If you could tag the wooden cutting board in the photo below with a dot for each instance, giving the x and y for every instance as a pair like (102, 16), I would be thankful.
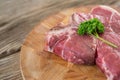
(37, 64)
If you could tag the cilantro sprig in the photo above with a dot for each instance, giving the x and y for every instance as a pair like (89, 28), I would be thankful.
(93, 27)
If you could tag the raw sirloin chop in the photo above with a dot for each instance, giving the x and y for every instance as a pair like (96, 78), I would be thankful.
(66, 43)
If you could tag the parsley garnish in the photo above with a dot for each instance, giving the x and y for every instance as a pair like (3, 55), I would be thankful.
(93, 27)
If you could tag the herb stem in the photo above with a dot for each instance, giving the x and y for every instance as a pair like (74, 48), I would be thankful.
(105, 41)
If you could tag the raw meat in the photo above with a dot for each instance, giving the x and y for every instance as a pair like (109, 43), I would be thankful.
(66, 43)
(108, 58)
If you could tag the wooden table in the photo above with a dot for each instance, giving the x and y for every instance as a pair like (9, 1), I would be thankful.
(18, 17)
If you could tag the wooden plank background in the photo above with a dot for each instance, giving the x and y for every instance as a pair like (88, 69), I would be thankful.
(18, 17)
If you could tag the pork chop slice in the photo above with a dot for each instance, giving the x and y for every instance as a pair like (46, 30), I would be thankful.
(108, 58)
(66, 43)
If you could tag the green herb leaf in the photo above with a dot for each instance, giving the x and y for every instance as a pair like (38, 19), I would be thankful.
(93, 27)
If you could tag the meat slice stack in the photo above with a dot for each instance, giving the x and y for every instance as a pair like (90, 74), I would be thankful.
(64, 41)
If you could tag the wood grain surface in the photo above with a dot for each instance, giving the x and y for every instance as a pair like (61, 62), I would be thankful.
(18, 17)
(37, 64)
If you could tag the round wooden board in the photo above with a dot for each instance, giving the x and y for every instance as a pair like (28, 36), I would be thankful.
(37, 64)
